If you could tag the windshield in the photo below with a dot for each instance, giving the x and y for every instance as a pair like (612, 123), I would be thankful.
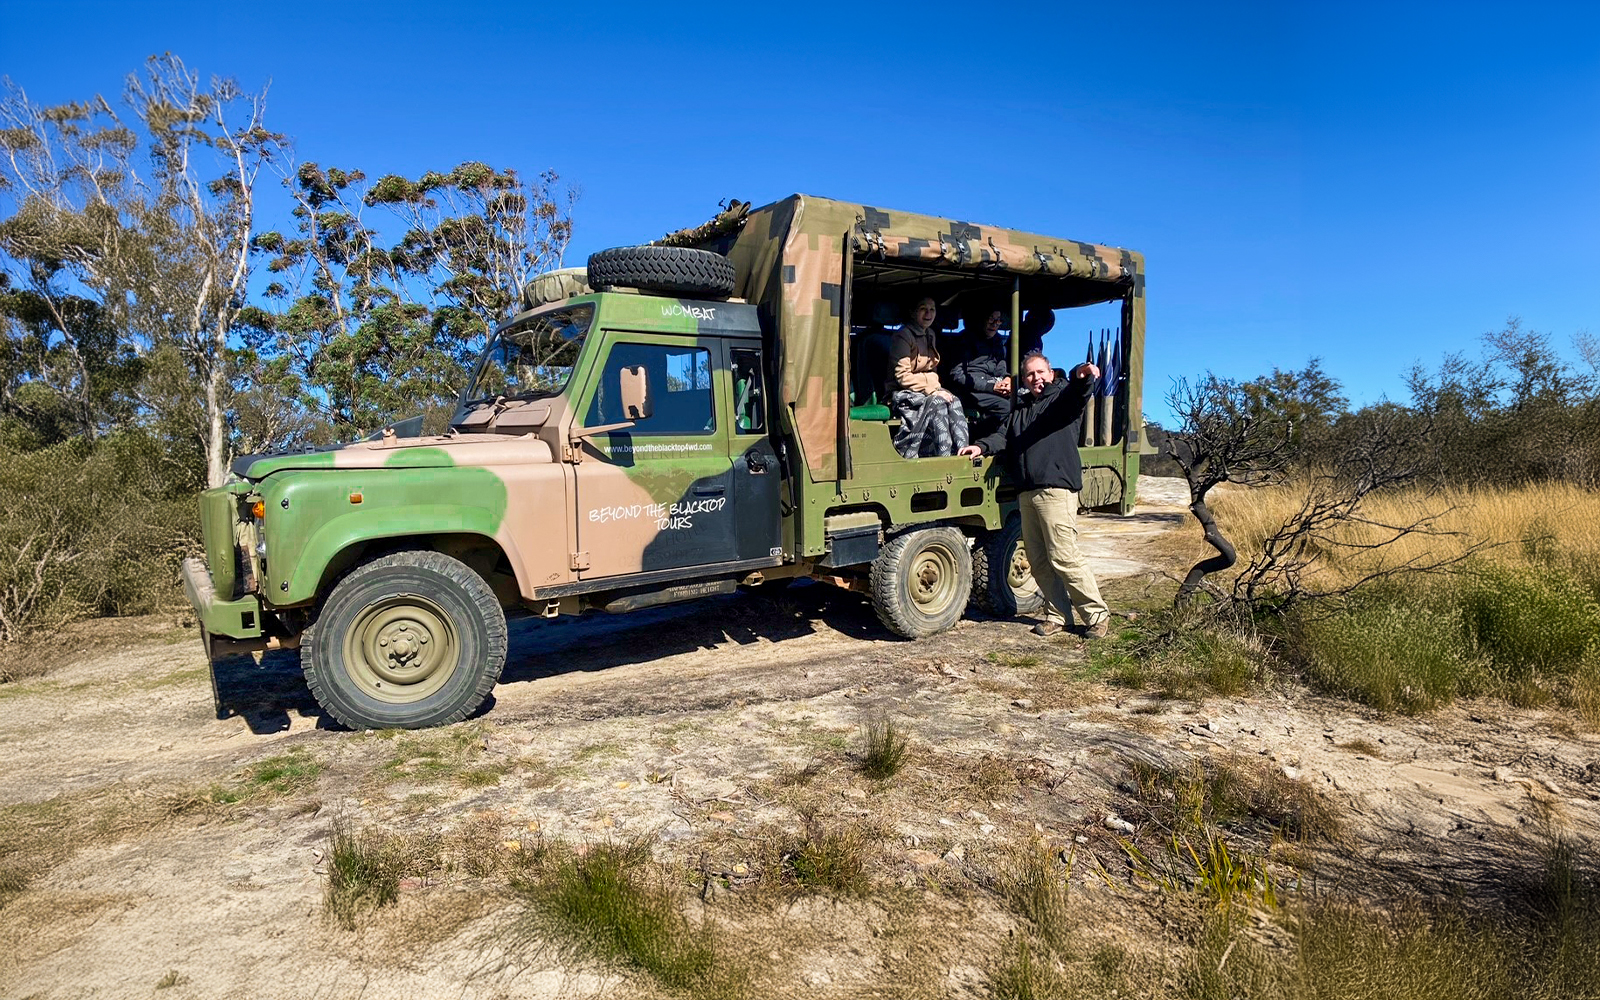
(534, 358)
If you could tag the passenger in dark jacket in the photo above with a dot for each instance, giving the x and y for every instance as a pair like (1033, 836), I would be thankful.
(1039, 441)
(982, 378)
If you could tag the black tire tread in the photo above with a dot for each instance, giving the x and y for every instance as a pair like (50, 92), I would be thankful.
(671, 270)
(473, 587)
(993, 595)
(889, 599)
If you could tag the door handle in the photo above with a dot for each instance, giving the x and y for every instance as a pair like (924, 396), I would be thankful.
(710, 491)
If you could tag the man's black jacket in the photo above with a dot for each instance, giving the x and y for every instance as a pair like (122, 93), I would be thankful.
(987, 361)
(1039, 440)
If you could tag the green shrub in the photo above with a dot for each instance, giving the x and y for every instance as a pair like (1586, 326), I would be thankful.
(1395, 655)
(92, 529)
(1532, 623)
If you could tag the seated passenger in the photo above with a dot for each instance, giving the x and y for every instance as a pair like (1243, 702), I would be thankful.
(931, 419)
(983, 376)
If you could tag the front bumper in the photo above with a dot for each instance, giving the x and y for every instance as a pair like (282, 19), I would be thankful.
(226, 627)
(239, 619)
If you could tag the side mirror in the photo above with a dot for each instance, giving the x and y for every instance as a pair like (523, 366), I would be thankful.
(635, 394)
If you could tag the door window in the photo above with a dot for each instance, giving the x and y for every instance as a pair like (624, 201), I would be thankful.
(749, 402)
(680, 383)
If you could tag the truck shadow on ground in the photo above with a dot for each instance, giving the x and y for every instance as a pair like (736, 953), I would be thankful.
(541, 648)
(267, 694)
(264, 694)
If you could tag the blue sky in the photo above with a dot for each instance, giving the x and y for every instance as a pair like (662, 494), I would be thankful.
(1372, 184)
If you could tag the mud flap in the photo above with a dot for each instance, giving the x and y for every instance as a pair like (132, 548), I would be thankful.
(211, 673)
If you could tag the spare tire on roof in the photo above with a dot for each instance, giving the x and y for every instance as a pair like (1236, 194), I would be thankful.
(668, 270)
(554, 286)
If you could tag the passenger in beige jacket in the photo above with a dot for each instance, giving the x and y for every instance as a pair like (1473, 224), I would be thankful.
(932, 421)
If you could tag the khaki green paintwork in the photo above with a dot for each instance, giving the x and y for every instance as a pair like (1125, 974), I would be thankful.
(219, 511)
(790, 257)
(416, 492)
(526, 486)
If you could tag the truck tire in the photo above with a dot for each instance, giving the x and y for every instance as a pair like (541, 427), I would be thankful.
(1002, 584)
(921, 581)
(406, 640)
(668, 270)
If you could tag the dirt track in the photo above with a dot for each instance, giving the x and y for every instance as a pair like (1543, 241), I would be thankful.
(678, 721)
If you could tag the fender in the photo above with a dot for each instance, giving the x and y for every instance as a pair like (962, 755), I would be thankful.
(312, 516)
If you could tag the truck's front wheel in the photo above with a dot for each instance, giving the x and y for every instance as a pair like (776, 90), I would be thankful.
(407, 640)
(921, 581)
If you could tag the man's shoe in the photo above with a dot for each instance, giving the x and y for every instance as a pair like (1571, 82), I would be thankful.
(1099, 630)
(1048, 628)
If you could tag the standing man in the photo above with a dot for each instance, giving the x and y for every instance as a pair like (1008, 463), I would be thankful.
(1040, 443)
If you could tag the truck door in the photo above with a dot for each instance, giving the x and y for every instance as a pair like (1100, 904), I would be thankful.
(656, 496)
(756, 477)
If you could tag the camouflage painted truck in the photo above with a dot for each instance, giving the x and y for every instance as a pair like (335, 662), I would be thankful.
(678, 420)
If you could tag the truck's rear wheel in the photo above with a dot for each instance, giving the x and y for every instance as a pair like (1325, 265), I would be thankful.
(1002, 583)
(408, 640)
(668, 270)
(921, 581)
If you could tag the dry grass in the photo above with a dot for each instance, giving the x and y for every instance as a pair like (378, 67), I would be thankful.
(1518, 620)
(1361, 747)
(1234, 793)
(36, 838)
(452, 755)
(1524, 526)
(832, 859)
(1543, 945)
(364, 870)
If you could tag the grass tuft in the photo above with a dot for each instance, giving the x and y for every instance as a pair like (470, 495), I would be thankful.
(613, 906)
(364, 871)
(883, 751)
(1229, 793)
(1366, 748)
(1034, 885)
(171, 979)
(830, 859)
(1022, 973)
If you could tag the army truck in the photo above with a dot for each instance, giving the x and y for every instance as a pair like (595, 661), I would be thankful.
(677, 420)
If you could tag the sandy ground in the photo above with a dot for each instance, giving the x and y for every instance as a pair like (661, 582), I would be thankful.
(682, 722)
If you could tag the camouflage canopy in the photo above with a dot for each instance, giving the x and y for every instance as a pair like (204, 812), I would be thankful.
(790, 260)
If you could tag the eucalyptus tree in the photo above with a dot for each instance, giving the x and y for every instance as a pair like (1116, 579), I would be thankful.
(70, 197)
(135, 224)
(207, 145)
(370, 318)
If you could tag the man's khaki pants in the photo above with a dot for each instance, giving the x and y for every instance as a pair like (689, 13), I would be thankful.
(1050, 534)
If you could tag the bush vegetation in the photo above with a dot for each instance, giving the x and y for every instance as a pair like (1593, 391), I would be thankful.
(153, 325)
(92, 529)
(1518, 618)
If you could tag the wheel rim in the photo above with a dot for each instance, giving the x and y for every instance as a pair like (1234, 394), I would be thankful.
(1019, 575)
(401, 649)
(933, 579)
